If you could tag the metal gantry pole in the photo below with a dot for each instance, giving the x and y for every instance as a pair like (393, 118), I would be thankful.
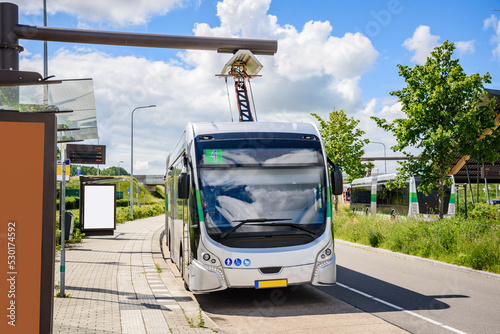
(9, 41)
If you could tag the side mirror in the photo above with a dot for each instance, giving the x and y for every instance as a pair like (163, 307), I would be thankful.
(337, 181)
(183, 186)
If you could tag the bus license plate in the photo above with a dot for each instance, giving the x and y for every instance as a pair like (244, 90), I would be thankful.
(277, 283)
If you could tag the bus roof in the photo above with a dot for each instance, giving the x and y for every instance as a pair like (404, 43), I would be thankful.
(213, 128)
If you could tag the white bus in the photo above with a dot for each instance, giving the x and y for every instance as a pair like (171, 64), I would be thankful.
(249, 206)
(370, 195)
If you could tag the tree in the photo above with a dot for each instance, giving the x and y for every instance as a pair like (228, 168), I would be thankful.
(114, 171)
(445, 117)
(343, 143)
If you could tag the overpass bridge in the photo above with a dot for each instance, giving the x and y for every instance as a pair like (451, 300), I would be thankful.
(151, 181)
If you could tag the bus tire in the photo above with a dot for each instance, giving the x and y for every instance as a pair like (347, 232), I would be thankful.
(393, 214)
(170, 247)
(181, 264)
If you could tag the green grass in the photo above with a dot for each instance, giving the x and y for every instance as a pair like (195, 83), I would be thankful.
(154, 206)
(472, 242)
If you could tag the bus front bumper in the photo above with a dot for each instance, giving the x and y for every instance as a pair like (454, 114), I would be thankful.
(203, 278)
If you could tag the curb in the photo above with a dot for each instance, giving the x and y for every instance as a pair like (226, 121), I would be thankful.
(421, 259)
(186, 299)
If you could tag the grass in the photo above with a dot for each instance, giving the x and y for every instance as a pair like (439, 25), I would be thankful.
(201, 322)
(154, 206)
(472, 242)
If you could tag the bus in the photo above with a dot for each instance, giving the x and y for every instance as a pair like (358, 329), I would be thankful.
(371, 196)
(249, 206)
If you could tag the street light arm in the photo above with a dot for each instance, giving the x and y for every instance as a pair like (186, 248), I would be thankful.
(385, 155)
(131, 196)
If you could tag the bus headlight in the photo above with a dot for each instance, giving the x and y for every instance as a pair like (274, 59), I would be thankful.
(326, 254)
(207, 258)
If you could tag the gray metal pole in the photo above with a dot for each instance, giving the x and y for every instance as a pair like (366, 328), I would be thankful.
(9, 42)
(119, 190)
(62, 210)
(45, 50)
(486, 187)
(385, 155)
(220, 44)
(131, 193)
(468, 180)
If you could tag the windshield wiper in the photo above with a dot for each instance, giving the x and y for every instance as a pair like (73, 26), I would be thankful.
(254, 220)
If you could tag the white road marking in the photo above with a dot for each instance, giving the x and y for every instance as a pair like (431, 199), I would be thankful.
(400, 308)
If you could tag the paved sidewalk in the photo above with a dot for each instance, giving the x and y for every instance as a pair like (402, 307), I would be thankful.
(115, 287)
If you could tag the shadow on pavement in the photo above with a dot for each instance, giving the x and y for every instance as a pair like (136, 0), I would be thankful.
(308, 300)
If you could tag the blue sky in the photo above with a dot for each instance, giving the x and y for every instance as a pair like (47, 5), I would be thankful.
(331, 54)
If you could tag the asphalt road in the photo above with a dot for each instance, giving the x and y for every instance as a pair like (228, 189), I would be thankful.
(419, 296)
(378, 292)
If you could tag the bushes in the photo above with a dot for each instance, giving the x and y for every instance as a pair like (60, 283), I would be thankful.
(473, 242)
(123, 213)
(122, 203)
(77, 234)
(71, 203)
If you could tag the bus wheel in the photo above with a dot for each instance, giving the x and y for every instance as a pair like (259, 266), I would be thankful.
(393, 214)
(170, 247)
(181, 265)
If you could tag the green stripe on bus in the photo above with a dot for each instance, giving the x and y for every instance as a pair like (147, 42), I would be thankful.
(413, 198)
(200, 208)
(452, 198)
(328, 203)
(374, 197)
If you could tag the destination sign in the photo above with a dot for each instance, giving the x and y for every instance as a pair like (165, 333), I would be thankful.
(86, 154)
(490, 172)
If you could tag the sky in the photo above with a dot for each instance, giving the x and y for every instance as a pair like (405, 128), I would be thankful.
(331, 55)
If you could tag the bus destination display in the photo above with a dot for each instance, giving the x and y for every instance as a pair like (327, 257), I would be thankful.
(87, 154)
(492, 172)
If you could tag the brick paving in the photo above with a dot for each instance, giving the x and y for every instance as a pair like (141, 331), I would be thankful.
(115, 287)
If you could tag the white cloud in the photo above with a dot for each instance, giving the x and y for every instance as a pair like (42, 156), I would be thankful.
(464, 47)
(494, 23)
(313, 71)
(119, 13)
(421, 43)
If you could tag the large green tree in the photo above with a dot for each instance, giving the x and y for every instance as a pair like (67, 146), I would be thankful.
(343, 143)
(445, 118)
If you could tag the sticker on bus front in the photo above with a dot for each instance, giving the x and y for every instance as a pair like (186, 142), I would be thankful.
(213, 156)
(276, 283)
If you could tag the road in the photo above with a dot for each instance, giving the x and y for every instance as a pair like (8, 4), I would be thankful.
(419, 296)
(378, 292)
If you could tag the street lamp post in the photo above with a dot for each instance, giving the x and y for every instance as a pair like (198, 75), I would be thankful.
(131, 196)
(119, 175)
(385, 156)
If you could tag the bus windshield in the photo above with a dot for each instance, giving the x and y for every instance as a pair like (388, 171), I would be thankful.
(273, 207)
